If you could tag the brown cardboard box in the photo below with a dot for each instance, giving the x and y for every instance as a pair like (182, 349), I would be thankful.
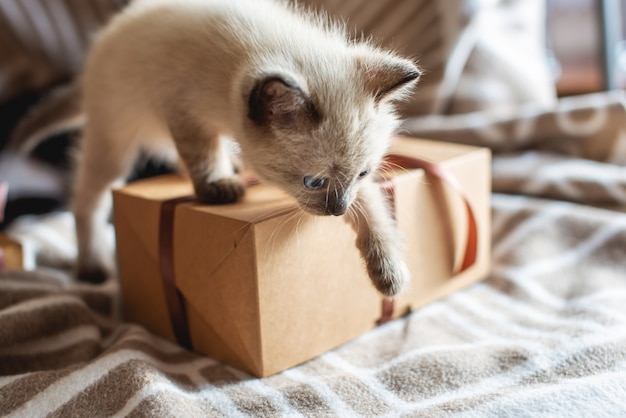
(11, 253)
(267, 287)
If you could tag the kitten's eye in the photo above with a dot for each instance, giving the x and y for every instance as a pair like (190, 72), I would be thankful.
(313, 183)
(364, 173)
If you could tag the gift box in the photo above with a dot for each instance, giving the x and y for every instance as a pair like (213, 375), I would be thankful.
(263, 286)
(11, 253)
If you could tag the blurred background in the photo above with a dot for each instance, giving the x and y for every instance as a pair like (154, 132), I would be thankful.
(578, 36)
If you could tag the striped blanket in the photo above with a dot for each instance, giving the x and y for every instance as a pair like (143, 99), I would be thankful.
(543, 335)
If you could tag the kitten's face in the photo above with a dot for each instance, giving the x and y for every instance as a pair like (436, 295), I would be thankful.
(320, 146)
(323, 166)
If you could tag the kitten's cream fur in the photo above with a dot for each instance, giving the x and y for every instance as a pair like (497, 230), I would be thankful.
(175, 77)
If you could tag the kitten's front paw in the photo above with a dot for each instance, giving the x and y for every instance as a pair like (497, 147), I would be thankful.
(388, 272)
(222, 191)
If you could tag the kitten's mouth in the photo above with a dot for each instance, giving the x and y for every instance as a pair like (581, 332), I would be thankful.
(326, 209)
(337, 211)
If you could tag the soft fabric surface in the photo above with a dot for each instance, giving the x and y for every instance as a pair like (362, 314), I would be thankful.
(543, 335)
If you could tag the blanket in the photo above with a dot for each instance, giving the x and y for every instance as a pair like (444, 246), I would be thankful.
(543, 335)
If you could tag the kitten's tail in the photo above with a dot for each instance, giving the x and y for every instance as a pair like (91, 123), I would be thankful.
(58, 112)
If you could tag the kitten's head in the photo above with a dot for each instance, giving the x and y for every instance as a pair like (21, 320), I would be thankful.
(318, 137)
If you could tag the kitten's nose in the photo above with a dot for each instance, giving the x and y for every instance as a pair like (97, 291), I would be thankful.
(337, 207)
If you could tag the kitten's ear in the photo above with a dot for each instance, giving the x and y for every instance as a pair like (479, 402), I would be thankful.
(388, 77)
(280, 102)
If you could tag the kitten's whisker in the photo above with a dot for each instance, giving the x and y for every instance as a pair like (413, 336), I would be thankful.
(293, 215)
(354, 216)
(256, 219)
(285, 219)
(390, 172)
(341, 184)
(326, 202)
(363, 213)
(301, 215)
(390, 167)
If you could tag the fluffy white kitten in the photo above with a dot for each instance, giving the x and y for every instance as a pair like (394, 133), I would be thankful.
(311, 110)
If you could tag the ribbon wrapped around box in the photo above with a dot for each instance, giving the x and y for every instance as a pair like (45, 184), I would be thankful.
(262, 286)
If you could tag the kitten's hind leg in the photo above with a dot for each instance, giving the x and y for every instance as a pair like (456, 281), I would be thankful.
(208, 163)
(378, 240)
(102, 164)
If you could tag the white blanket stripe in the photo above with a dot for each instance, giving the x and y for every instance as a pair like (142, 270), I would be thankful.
(64, 389)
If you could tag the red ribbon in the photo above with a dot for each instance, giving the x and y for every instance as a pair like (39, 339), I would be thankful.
(386, 312)
(471, 242)
(440, 173)
(173, 298)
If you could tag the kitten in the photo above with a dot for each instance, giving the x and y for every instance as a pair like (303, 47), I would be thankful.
(311, 111)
